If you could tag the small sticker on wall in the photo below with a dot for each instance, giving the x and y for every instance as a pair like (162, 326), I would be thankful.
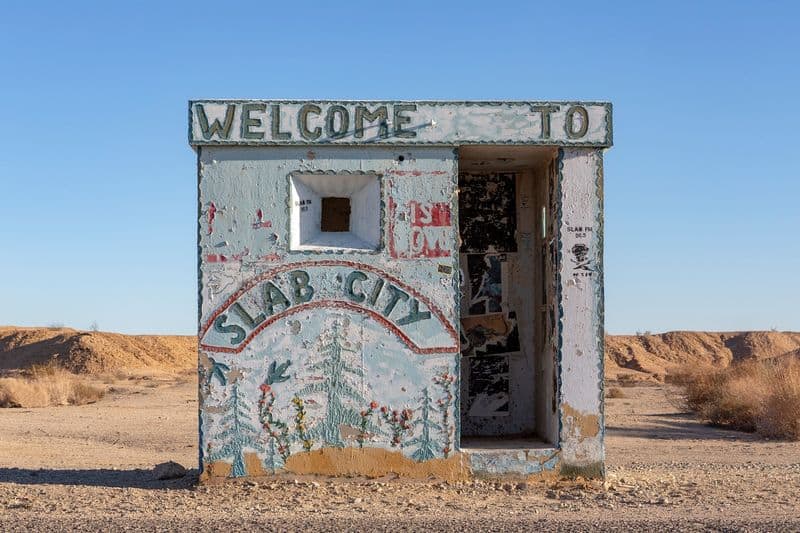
(489, 334)
(488, 386)
(485, 278)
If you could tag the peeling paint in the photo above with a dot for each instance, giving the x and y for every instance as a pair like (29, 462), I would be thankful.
(375, 462)
(333, 352)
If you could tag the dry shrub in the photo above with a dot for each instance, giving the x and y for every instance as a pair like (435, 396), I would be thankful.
(628, 380)
(761, 396)
(780, 417)
(83, 393)
(615, 392)
(45, 386)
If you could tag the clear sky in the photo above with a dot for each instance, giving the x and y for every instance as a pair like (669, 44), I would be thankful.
(97, 218)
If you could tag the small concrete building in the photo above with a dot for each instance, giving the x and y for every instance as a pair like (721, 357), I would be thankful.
(409, 288)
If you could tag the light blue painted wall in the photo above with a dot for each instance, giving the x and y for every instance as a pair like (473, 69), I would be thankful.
(243, 247)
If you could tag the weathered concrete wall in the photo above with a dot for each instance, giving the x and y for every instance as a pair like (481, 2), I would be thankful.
(580, 227)
(301, 350)
(337, 352)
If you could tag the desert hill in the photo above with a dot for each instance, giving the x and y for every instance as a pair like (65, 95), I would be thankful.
(649, 355)
(657, 354)
(93, 352)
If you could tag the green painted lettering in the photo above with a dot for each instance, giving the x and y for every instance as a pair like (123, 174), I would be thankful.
(302, 290)
(248, 320)
(569, 125)
(399, 119)
(413, 314)
(545, 111)
(272, 297)
(248, 122)
(238, 331)
(277, 134)
(380, 114)
(217, 128)
(330, 122)
(349, 286)
(376, 291)
(397, 295)
(302, 122)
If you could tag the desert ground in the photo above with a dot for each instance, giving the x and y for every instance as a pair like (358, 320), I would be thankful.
(89, 467)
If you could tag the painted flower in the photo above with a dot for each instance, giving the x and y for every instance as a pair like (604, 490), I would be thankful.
(265, 388)
(373, 405)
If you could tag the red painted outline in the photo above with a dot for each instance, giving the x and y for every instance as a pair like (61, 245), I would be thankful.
(390, 231)
(212, 212)
(332, 303)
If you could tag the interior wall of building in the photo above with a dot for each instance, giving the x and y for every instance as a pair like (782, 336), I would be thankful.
(508, 367)
(547, 308)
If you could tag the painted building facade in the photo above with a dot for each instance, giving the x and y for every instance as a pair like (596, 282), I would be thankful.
(400, 287)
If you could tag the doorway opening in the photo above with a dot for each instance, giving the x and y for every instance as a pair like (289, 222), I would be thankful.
(507, 258)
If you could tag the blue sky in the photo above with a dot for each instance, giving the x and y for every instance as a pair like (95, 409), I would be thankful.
(98, 182)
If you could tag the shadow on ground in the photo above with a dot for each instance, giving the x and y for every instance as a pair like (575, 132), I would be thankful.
(101, 477)
(678, 426)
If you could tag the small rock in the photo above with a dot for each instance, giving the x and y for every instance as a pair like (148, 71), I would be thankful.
(168, 470)
(522, 486)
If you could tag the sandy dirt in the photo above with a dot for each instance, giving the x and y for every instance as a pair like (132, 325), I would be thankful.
(88, 468)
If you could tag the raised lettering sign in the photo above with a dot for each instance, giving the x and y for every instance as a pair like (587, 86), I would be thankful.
(266, 122)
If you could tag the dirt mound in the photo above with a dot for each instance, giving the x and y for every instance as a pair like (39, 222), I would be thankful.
(657, 354)
(94, 352)
(637, 356)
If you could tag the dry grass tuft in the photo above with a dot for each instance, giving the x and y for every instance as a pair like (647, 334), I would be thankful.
(761, 396)
(45, 386)
(615, 392)
(628, 380)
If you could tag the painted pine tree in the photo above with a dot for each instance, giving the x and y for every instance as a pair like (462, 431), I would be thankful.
(238, 434)
(445, 383)
(426, 446)
(336, 382)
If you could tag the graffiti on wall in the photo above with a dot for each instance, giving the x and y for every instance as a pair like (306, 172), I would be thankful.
(487, 212)
(419, 229)
(489, 386)
(489, 333)
(581, 260)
